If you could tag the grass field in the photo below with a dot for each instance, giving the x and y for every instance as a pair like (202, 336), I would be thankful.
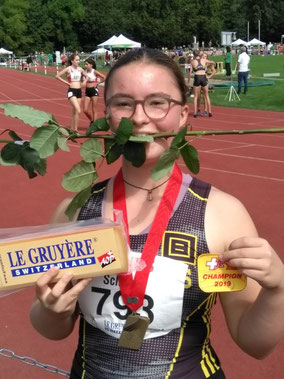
(263, 97)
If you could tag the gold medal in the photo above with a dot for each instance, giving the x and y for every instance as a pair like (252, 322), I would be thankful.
(217, 276)
(134, 331)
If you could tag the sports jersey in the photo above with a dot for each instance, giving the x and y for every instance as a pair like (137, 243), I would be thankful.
(199, 66)
(177, 343)
(92, 78)
(74, 75)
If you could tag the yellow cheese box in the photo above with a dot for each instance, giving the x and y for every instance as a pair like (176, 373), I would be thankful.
(84, 249)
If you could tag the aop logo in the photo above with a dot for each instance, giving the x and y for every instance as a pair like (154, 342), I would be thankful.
(107, 258)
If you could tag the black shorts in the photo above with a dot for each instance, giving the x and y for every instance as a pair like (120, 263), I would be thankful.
(92, 91)
(200, 80)
(77, 92)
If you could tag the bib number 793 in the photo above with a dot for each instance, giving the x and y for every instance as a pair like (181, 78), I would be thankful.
(117, 302)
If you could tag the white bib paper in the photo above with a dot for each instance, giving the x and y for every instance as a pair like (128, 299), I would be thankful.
(103, 307)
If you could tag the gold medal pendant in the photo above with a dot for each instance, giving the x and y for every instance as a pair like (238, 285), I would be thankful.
(134, 331)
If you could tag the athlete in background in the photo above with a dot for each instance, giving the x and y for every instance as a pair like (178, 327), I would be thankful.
(75, 75)
(92, 89)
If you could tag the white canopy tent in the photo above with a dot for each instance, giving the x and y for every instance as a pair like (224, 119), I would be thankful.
(5, 52)
(120, 42)
(101, 51)
(256, 42)
(108, 42)
(239, 42)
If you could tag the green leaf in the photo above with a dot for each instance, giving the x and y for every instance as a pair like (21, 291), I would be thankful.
(44, 140)
(31, 162)
(179, 138)
(91, 150)
(142, 138)
(40, 166)
(78, 201)
(11, 153)
(135, 153)
(165, 163)
(7, 163)
(81, 176)
(63, 143)
(112, 150)
(124, 131)
(64, 131)
(100, 125)
(190, 157)
(27, 114)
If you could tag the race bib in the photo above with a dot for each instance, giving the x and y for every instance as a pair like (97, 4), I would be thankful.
(103, 307)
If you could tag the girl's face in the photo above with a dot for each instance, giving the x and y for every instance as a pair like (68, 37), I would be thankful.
(88, 66)
(138, 81)
(76, 61)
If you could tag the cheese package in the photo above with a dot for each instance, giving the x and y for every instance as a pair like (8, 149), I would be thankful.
(86, 248)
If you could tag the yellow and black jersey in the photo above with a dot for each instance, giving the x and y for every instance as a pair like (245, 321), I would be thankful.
(178, 344)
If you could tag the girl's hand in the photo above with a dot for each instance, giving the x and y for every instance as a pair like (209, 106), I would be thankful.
(255, 258)
(61, 297)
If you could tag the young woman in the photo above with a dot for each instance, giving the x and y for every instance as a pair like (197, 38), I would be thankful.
(185, 218)
(92, 89)
(198, 66)
(210, 72)
(75, 74)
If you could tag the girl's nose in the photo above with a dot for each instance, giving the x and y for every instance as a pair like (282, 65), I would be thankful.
(139, 116)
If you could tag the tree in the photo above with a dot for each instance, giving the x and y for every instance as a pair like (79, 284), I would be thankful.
(270, 15)
(234, 17)
(104, 19)
(13, 25)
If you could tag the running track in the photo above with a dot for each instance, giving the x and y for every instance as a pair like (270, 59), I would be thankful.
(250, 167)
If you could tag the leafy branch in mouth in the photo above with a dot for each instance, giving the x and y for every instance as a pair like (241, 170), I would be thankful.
(98, 145)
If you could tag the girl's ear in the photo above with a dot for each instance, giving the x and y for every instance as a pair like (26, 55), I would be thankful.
(184, 115)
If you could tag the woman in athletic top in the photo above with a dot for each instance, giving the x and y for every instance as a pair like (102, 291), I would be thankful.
(92, 89)
(182, 219)
(199, 66)
(75, 75)
(210, 72)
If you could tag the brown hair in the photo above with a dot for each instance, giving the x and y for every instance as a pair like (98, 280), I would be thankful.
(92, 62)
(150, 56)
(71, 58)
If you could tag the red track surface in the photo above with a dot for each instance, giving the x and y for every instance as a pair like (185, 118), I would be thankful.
(250, 167)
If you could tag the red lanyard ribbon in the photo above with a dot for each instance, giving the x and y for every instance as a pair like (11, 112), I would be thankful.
(133, 290)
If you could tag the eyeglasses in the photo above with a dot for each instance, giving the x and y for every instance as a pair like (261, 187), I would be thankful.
(155, 106)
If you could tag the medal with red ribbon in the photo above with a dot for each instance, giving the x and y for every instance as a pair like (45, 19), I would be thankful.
(133, 289)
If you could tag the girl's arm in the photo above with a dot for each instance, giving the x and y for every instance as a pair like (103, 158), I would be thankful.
(60, 74)
(212, 72)
(101, 76)
(190, 73)
(255, 315)
(84, 78)
(54, 311)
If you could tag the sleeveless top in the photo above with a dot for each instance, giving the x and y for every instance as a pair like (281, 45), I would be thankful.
(74, 75)
(92, 78)
(177, 345)
(199, 67)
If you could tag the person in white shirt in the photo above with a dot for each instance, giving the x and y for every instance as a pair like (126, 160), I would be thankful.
(243, 70)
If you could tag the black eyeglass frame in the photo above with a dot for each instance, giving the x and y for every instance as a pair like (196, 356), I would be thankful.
(142, 102)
